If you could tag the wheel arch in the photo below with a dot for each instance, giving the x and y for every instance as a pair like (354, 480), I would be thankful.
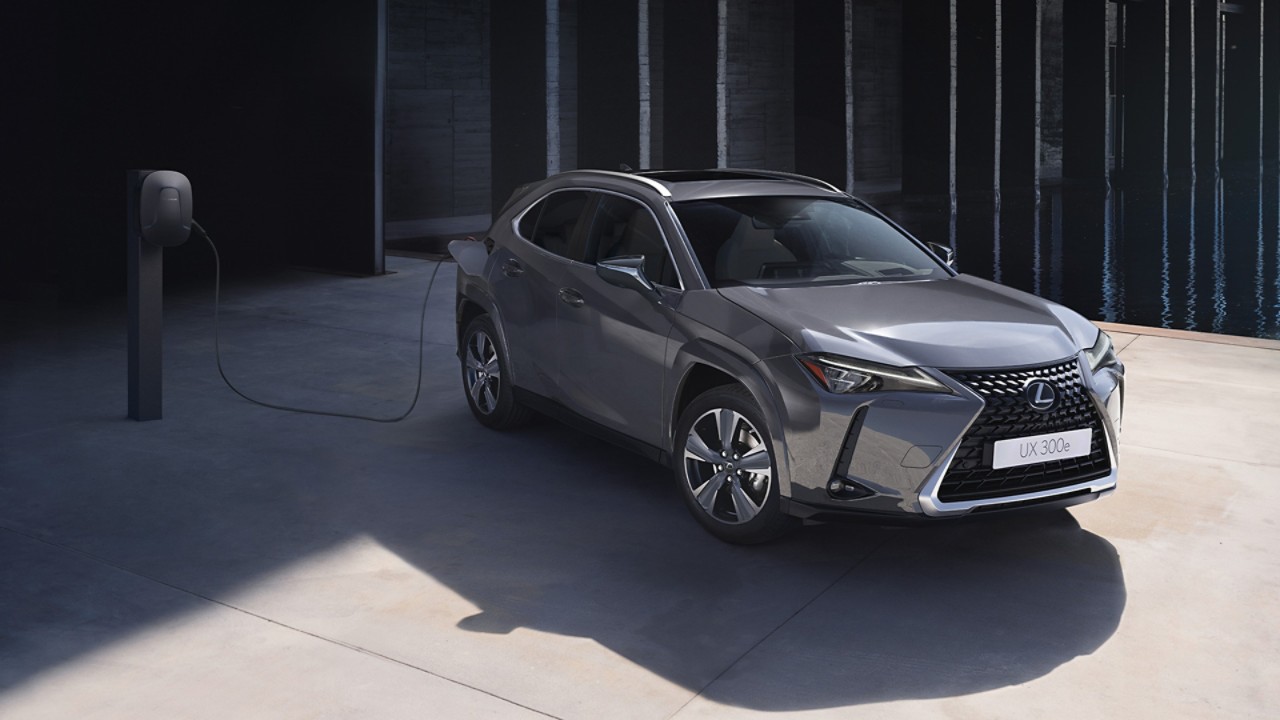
(467, 311)
(704, 366)
(700, 378)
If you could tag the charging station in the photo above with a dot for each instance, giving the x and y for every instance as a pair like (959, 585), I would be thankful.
(159, 216)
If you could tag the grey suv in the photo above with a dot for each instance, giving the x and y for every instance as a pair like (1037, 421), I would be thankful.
(787, 349)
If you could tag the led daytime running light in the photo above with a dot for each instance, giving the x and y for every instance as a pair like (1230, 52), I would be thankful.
(840, 376)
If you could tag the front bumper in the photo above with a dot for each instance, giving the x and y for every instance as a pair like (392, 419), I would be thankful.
(918, 454)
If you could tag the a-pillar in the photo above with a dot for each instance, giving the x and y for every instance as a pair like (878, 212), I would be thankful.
(518, 94)
(1020, 93)
(821, 143)
(1085, 92)
(1242, 95)
(1143, 82)
(977, 100)
(928, 97)
(608, 84)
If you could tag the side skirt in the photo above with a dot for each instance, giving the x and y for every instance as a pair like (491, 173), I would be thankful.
(563, 414)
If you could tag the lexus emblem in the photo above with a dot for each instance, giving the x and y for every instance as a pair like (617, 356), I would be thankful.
(1041, 395)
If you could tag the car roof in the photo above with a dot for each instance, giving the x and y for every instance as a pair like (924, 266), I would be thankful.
(734, 182)
(684, 185)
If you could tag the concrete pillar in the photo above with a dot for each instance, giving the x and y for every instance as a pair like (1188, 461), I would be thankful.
(1271, 86)
(1180, 92)
(1206, 32)
(1242, 86)
(875, 84)
(1051, 81)
(760, 85)
(690, 33)
(1143, 80)
(437, 122)
(657, 65)
(927, 103)
(1020, 93)
(821, 148)
(518, 95)
(1085, 93)
(978, 100)
(608, 84)
(562, 107)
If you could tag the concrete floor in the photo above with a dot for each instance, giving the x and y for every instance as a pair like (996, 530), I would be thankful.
(231, 561)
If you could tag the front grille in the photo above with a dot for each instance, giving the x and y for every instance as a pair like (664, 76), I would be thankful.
(1007, 415)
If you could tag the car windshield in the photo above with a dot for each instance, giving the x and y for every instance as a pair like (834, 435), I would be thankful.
(799, 241)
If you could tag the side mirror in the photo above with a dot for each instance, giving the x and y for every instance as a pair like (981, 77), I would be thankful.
(627, 272)
(945, 252)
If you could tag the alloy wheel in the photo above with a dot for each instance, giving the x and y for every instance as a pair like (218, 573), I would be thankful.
(484, 376)
(728, 466)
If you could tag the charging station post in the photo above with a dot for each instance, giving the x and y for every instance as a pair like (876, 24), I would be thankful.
(159, 215)
(146, 312)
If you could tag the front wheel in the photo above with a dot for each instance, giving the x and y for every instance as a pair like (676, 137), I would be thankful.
(724, 462)
(486, 378)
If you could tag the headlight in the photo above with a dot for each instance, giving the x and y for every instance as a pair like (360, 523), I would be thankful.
(844, 375)
(1103, 353)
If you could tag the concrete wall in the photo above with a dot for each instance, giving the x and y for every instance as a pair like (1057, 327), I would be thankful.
(876, 46)
(759, 85)
(437, 127)
(1051, 75)
(783, 103)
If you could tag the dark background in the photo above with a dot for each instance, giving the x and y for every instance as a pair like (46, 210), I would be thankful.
(267, 107)
(272, 110)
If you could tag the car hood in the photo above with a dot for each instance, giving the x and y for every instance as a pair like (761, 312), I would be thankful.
(959, 322)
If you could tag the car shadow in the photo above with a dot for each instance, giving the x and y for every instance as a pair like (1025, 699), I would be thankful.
(832, 615)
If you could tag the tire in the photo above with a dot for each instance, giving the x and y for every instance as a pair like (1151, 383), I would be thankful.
(485, 373)
(730, 487)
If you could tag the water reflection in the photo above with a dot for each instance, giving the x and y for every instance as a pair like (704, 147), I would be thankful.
(1274, 195)
(997, 273)
(1190, 308)
(1036, 268)
(1219, 267)
(1166, 308)
(1110, 284)
(1136, 255)
(1259, 280)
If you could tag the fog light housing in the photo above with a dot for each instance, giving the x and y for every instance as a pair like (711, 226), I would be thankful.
(846, 489)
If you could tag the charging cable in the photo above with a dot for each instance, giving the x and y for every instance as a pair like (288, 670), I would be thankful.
(217, 348)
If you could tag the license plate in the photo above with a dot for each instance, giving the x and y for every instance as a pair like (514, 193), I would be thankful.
(1041, 448)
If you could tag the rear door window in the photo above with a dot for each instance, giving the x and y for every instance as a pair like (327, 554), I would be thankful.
(552, 223)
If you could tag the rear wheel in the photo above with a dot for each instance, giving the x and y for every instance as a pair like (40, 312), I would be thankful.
(486, 379)
(725, 465)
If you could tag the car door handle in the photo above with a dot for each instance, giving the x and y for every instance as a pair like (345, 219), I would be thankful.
(572, 297)
(512, 268)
